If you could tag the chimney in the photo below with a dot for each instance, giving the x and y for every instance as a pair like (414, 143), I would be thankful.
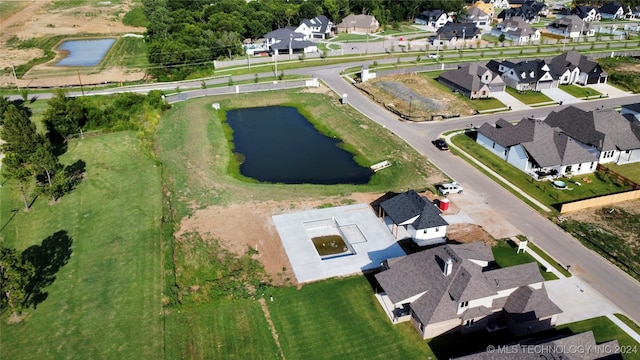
(448, 266)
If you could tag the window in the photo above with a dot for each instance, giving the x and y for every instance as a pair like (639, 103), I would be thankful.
(592, 165)
(579, 166)
(464, 304)
(469, 323)
(493, 145)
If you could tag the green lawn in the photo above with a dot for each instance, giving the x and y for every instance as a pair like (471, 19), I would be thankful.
(340, 319)
(579, 92)
(541, 190)
(528, 97)
(504, 253)
(220, 330)
(104, 303)
(604, 330)
(630, 171)
(484, 105)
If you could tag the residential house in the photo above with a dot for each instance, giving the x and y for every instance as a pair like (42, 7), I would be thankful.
(555, 348)
(433, 19)
(631, 112)
(456, 34)
(480, 18)
(536, 148)
(485, 6)
(585, 12)
(612, 10)
(528, 75)
(319, 27)
(516, 29)
(287, 41)
(452, 288)
(571, 27)
(412, 214)
(530, 11)
(571, 67)
(605, 133)
(499, 4)
(473, 81)
(363, 24)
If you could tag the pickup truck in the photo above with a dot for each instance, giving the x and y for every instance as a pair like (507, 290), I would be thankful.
(448, 188)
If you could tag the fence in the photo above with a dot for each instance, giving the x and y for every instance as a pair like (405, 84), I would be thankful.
(599, 201)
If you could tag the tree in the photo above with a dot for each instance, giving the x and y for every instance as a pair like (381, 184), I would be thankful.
(65, 116)
(14, 168)
(15, 275)
(45, 164)
(19, 132)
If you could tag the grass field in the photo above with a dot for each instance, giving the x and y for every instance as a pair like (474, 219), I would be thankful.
(579, 91)
(630, 171)
(340, 319)
(528, 97)
(505, 255)
(104, 303)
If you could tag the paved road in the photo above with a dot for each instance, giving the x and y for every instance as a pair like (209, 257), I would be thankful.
(617, 286)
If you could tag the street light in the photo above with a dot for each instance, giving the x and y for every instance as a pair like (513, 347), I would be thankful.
(410, 103)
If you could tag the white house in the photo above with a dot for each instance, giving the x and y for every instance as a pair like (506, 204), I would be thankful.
(536, 148)
(606, 134)
(571, 67)
(411, 214)
(571, 27)
(317, 28)
(528, 75)
(516, 29)
(433, 19)
(612, 10)
(451, 288)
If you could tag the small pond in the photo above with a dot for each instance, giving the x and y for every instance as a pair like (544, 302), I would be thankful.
(84, 52)
(278, 145)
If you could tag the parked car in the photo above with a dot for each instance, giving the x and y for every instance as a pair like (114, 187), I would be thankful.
(433, 56)
(448, 188)
(441, 144)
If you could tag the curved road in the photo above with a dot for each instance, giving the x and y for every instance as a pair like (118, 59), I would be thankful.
(622, 290)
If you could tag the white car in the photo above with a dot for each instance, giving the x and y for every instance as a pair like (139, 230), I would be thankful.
(433, 56)
(448, 188)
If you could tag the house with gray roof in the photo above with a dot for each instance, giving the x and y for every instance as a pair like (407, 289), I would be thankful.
(456, 34)
(288, 41)
(613, 10)
(319, 27)
(585, 12)
(453, 288)
(530, 11)
(473, 80)
(536, 148)
(362, 24)
(477, 16)
(571, 27)
(528, 75)
(571, 67)
(605, 133)
(516, 29)
(410, 213)
(631, 112)
(563, 347)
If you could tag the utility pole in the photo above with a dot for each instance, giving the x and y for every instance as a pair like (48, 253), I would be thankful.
(15, 77)
(80, 80)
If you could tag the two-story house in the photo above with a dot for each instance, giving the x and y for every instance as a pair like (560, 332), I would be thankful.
(612, 10)
(528, 75)
(571, 27)
(317, 28)
(571, 67)
(517, 29)
(433, 19)
(473, 80)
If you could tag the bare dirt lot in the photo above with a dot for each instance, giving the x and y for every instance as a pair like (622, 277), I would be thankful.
(39, 19)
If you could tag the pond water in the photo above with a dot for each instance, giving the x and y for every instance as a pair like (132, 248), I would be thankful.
(280, 146)
(84, 52)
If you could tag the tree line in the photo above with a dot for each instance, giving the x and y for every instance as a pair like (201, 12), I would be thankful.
(192, 33)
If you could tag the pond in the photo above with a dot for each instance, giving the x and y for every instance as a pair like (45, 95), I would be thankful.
(278, 145)
(84, 52)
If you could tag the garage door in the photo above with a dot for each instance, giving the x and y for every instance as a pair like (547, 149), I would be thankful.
(545, 85)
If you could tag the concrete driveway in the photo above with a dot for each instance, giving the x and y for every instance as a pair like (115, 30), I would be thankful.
(509, 101)
(559, 95)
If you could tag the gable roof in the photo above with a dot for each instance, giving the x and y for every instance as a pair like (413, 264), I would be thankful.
(604, 129)
(475, 13)
(431, 15)
(527, 303)
(516, 26)
(572, 59)
(573, 23)
(409, 205)
(611, 8)
(530, 70)
(283, 34)
(468, 76)
(457, 30)
(359, 21)
(319, 21)
(421, 274)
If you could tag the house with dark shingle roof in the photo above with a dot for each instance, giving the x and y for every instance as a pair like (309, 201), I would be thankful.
(452, 288)
(317, 28)
(536, 148)
(416, 216)
(433, 19)
(571, 67)
(479, 15)
(631, 112)
(528, 75)
(529, 11)
(516, 29)
(473, 81)
(288, 41)
(585, 12)
(453, 34)
(612, 10)
(571, 27)
(605, 133)
(555, 348)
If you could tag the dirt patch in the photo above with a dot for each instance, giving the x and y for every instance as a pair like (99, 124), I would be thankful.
(467, 233)
(241, 226)
(414, 96)
(608, 218)
(39, 19)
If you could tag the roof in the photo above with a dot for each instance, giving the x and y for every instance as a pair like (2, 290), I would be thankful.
(319, 21)
(452, 30)
(422, 275)
(557, 348)
(283, 34)
(359, 21)
(468, 76)
(431, 15)
(572, 22)
(409, 205)
(529, 11)
(572, 59)
(610, 8)
(516, 26)
(527, 303)
(530, 70)
(635, 107)
(544, 145)
(605, 129)
(474, 13)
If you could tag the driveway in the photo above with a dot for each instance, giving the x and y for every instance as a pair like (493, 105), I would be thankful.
(509, 101)
(559, 95)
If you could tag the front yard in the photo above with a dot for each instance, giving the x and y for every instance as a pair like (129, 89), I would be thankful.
(528, 97)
